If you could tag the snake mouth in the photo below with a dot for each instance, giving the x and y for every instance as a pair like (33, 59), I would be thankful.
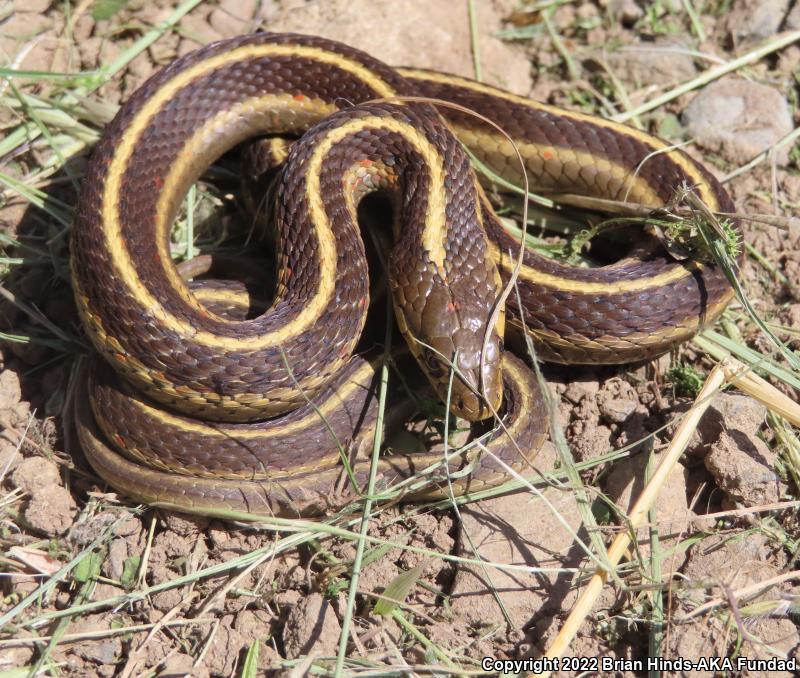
(474, 407)
(471, 391)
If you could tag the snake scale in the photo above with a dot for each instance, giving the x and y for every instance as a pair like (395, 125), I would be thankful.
(202, 412)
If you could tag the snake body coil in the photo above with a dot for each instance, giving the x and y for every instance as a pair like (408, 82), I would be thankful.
(446, 272)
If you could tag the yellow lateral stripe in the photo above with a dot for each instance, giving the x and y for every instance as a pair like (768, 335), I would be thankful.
(516, 375)
(684, 162)
(223, 430)
(537, 277)
(112, 227)
(639, 191)
(687, 329)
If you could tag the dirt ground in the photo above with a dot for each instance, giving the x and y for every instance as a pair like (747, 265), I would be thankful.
(94, 585)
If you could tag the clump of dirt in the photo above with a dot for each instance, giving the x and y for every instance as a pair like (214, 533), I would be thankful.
(126, 590)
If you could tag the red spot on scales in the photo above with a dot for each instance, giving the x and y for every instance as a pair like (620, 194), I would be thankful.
(119, 441)
(159, 182)
(548, 154)
(300, 97)
(366, 163)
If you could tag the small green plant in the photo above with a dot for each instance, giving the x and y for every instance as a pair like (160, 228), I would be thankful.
(686, 380)
(659, 19)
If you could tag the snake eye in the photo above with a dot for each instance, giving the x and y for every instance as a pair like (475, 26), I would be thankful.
(433, 362)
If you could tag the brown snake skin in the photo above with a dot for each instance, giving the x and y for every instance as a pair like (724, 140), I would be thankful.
(446, 271)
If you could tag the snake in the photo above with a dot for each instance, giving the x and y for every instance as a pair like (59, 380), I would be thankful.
(199, 411)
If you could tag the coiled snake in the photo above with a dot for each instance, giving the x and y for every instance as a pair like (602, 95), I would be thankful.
(184, 418)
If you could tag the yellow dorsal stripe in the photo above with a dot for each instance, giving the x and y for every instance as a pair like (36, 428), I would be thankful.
(112, 227)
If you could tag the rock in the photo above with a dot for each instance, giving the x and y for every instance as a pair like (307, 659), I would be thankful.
(728, 412)
(717, 563)
(754, 20)
(197, 31)
(732, 411)
(743, 468)
(789, 60)
(166, 600)
(617, 410)
(589, 440)
(242, 9)
(18, 29)
(739, 119)
(51, 510)
(504, 530)
(578, 389)
(82, 28)
(13, 657)
(101, 651)
(34, 473)
(790, 318)
(255, 626)
(617, 400)
(184, 524)
(311, 626)
(422, 34)
(564, 17)
(665, 61)
(91, 527)
(33, 6)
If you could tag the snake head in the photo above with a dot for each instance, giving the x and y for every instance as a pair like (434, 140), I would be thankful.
(461, 360)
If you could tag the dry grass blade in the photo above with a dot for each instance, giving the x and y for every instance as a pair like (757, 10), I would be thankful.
(744, 378)
(638, 513)
(773, 45)
(741, 594)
